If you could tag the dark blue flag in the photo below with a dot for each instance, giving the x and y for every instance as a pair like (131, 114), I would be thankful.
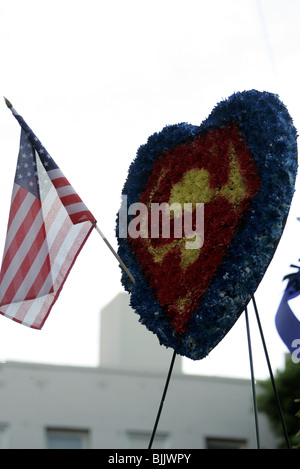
(287, 324)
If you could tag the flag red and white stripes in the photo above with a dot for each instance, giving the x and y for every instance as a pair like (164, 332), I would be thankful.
(71, 201)
(48, 225)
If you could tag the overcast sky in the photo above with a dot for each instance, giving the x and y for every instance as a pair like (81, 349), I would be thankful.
(93, 80)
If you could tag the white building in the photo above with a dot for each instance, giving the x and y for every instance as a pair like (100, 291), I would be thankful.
(114, 406)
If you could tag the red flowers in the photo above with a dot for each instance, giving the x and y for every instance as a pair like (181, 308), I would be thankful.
(215, 168)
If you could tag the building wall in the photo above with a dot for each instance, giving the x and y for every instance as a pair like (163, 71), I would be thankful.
(126, 344)
(114, 406)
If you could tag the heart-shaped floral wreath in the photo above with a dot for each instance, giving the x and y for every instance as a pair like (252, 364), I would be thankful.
(240, 167)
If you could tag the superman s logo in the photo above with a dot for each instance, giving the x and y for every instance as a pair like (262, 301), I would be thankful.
(200, 203)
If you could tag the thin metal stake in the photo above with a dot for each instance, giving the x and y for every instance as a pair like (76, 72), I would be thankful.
(252, 379)
(271, 375)
(162, 400)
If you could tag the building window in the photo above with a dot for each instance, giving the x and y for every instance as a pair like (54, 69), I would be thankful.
(225, 443)
(140, 440)
(61, 438)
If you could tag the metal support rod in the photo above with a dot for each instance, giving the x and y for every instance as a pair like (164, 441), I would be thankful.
(252, 380)
(271, 375)
(162, 400)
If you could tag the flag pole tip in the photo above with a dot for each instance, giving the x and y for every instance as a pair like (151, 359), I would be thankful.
(8, 103)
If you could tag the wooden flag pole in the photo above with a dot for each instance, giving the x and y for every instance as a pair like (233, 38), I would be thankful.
(114, 252)
(10, 106)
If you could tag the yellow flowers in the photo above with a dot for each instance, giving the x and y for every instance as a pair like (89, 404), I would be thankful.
(195, 185)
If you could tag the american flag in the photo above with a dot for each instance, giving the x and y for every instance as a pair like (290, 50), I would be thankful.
(47, 227)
